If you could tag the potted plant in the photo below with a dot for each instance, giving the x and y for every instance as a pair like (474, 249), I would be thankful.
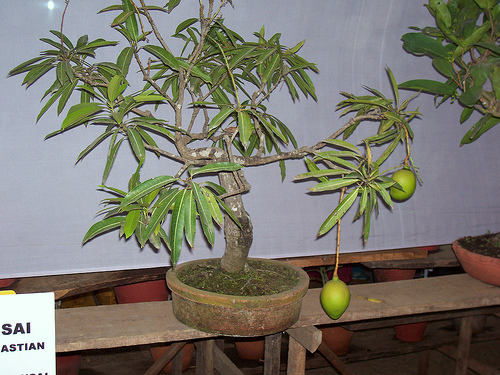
(202, 108)
(463, 47)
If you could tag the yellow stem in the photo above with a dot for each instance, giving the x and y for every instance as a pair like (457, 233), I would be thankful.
(335, 274)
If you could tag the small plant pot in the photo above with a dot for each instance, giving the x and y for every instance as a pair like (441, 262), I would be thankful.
(4, 283)
(481, 267)
(68, 364)
(410, 332)
(187, 356)
(231, 315)
(338, 339)
(250, 348)
(393, 274)
(146, 291)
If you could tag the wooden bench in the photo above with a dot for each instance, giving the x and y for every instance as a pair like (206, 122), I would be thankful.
(405, 301)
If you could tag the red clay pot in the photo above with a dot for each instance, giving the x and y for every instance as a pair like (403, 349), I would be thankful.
(410, 332)
(393, 274)
(187, 356)
(146, 291)
(68, 364)
(4, 283)
(250, 348)
(338, 339)
(484, 268)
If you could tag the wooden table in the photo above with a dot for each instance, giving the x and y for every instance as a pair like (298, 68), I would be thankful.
(153, 322)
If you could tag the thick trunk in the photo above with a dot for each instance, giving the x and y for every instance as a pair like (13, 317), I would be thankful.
(238, 240)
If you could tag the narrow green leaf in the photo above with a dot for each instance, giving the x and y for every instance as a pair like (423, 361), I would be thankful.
(94, 144)
(136, 142)
(427, 85)
(185, 24)
(217, 167)
(204, 212)
(103, 226)
(479, 128)
(470, 97)
(388, 151)
(219, 118)
(190, 218)
(394, 85)
(160, 211)
(331, 185)
(343, 144)
(80, 113)
(114, 87)
(166, 57)
(147, 187)
(245, 127)
(131, 221)
(177, 226)
(124, 59)
(420, 44)
(215, 210)
(113, 151)
(321, 173)
(338, 212)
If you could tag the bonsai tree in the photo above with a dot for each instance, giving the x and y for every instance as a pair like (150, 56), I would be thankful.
(203, 108)
(463, 46)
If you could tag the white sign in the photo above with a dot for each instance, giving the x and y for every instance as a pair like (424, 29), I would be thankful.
(27, 334)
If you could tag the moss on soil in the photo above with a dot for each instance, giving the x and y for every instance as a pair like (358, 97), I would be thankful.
(486, 244)
(257, 279)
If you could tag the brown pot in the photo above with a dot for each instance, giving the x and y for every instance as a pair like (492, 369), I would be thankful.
(338, 339)
(145, 291)
(68, 364)
(237, 315)
(410, 332)
(393, 274)
(250, 348)
(187, 356)
(4, 283)
(481, 267)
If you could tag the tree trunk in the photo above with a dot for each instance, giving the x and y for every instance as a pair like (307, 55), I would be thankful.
(238, 240)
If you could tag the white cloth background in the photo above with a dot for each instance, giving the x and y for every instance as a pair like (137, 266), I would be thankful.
(48, 202)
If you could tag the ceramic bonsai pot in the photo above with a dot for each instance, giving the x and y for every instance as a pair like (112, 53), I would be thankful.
(338, 339)
(481, 267)
(231, 315)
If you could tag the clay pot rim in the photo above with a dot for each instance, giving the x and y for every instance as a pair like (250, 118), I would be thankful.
(472, 256)
(291, 295)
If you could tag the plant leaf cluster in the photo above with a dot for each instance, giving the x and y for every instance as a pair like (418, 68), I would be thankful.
(463, 47)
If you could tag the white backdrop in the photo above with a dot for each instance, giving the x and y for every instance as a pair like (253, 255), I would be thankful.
(48, 202)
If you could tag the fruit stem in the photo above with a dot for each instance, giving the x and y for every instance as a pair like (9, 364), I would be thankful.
(338, 239)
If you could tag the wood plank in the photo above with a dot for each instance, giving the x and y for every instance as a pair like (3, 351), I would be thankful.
(296, 364)
(223, 364)
(75, 284)
(358, 257)
(272, 354)
(308, 337)
(443, 257)
(334, 359)
(153, 322)
(165, 358)
(463, 345)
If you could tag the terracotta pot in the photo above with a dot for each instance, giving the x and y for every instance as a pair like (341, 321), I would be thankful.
(68, 364)
(338, 339)
(146, 291)
(250, 348)
(484, 268)
(410, 332)
(237, 315)
(187, 356)
(4, 283)
(393, 274)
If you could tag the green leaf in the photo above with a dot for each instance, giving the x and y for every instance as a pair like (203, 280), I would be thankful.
(331, 185)
(185, 24)
(343, 144)
(338, 212)
(205, 213)
(103, 226)
(479, 128)
(124, 59)
(131, 221)
(166, 57)
(244, 126)
(160, 210)
(394, 85)
(94, 144)
(80, 113)
(136, 142)
(219, 118)
(471, 96)
(427, 85)
(215, 210)
(147, 187)
(177, 226)
(113, 151)
(420, 44)
(131, 21)
(216, 168)
(115, 87)
(466, 113)
(443, 66)
(190, 218)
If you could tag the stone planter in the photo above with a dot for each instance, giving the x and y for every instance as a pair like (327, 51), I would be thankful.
(484, 268)
(237, 315)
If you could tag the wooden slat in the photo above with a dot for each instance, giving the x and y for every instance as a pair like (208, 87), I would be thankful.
(153, 322)
(443, 257)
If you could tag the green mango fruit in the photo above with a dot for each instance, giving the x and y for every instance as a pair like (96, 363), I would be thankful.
(335, 297)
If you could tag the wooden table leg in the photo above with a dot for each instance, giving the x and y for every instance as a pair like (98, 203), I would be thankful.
(205, 357)
(423, 362)
(272, 354)
(165, 358)
(334, 359)
(463, 345)
(296, 358)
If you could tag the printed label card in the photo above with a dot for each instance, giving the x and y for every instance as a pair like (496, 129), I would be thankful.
(27, 334)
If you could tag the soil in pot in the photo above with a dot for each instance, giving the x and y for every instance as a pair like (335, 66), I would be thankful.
(486, 244)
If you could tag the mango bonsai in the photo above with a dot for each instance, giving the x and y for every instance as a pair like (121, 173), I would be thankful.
(203, 108)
